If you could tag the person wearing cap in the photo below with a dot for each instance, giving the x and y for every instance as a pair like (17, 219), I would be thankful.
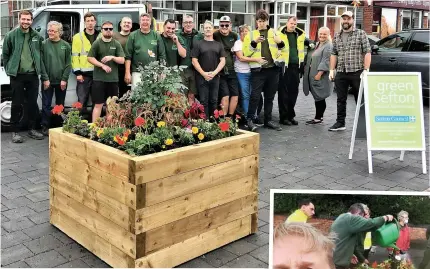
(350, 57)
(190, 36)
(263, 42)
(288, 87)
(208, 58)
(228, 85)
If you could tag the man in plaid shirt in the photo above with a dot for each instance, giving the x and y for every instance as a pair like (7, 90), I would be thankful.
(352, 54)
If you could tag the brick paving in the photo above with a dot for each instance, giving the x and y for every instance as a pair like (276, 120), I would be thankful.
(298, 157)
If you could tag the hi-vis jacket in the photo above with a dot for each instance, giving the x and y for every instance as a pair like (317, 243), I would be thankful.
(301, 36)
(80, 48)
(250, 51)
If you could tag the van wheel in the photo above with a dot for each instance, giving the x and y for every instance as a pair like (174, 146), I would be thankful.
(5, 109)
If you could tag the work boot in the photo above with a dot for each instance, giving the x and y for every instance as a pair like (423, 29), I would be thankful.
(35, 134)
(251, 126)
(273, 125)
(45, 131)
(16, 138)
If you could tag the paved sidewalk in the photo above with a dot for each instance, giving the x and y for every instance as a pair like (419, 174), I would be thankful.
(299, 157)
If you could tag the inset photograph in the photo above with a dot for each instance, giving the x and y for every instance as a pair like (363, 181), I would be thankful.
(355, 229)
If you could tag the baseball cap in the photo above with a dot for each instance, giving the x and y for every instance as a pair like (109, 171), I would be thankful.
(225, 18)
(348, 13)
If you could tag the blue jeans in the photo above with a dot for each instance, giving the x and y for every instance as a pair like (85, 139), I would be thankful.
(47, 95)
(245, 85)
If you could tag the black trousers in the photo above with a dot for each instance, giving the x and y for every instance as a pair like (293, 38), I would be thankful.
(24, 87)
(320, 107)
(342, 82)
(47, 96)
(122, 86)
(288, 90)
(265, 81)
(208, 94)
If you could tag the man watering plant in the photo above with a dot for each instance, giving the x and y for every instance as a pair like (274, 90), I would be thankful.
(348, 227)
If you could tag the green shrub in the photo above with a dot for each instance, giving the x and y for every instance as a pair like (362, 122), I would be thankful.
(332, 205)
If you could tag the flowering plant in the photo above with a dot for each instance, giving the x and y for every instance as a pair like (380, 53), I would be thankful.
(154, 117)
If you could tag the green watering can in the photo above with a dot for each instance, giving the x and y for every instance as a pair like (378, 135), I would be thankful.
(387, 235)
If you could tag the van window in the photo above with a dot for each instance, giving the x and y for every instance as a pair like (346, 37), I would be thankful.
(70, 21)
(115, 18)
(40, 23)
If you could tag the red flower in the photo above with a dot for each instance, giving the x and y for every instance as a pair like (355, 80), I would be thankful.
(374, 264)
(139, 121)
(202, 115)
(221, 112)
(201, 108)
(126, 133)
(119, 140)
(216, 114)
(184, 122)
(58, 109)
(237, 117)
(187, 113)
(77, 105)
(224, 126)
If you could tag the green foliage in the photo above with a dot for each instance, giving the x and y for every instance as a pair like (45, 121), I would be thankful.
(332, 205)
(157, 81)
(143, 144)
(71, 121)
(184, 137)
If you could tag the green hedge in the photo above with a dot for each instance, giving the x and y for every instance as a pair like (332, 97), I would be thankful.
(332, 205)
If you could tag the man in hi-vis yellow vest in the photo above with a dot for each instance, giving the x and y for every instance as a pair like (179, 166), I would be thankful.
(306, 211)
(259, 43)
(294, 56)
(81, 45)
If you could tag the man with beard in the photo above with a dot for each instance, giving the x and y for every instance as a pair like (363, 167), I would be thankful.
(348, 228)
(288, 87)
(105, 54)
(190, 36)
(228, 85)
(352, 55)
(56, 56)
(122, 37)
(143, 47)
(22, 61)
(208, 57)
(175, 45)
(83, 69)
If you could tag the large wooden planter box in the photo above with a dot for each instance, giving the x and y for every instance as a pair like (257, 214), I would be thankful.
(159, 210)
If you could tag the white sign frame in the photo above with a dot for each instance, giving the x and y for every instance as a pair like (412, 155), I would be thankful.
(365, 89)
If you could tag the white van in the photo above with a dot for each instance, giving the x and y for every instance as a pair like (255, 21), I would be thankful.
(72, 18)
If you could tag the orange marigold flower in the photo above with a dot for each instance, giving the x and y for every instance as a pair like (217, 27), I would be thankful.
(224, 126)
(139, 121)
(374, 264)
(77, 105)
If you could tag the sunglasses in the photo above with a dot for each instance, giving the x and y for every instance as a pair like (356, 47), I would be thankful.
(224, 25)
(108, 29)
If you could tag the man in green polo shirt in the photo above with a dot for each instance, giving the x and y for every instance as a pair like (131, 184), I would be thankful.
(348, 227)
(175, 45)
(105, 54)
(143, 47)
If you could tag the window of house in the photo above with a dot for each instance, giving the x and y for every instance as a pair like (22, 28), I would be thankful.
(184, 5)
(416, 19)
(222, 6)
(406, 20)
(205, 6)
(302, 12)
(238, 6)
(420, 42)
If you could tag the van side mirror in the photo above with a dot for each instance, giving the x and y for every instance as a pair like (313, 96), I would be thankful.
(375, 48)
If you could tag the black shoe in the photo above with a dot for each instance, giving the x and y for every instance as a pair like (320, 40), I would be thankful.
(258, 122)
(251, 126)
(337, 127)
(45, 131)
(314, 121)
(294, 122)
(16, 138)
(286, 122)
(35, 135)
(273, 125)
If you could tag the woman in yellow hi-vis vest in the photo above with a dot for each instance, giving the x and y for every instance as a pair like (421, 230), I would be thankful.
(263, 43)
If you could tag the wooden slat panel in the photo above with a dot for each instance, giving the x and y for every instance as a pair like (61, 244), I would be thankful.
(97, 201)
(98, 224)
(196, 180)
(194, 225)
(91, 241)
(108, 159)
(196, 246)
(177, 161)
(79, 170)
(172, 210)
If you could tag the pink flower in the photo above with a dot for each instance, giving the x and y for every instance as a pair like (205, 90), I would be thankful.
(184, 122)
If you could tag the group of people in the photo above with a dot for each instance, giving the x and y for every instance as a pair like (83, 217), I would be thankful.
(222, 69)
(349, 241)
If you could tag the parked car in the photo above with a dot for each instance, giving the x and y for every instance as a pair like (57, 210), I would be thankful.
(406, 51)
(71, 16)
(373, 39)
